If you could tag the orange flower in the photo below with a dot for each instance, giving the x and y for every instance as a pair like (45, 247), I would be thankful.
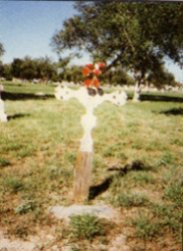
(96, 82)
(86, 71)
(88, 82)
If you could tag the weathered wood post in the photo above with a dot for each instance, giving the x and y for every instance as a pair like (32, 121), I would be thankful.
(82, 175)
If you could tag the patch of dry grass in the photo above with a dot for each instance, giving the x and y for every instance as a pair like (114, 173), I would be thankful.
(38, 153)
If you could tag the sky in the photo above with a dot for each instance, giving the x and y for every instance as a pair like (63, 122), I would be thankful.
(26, 29)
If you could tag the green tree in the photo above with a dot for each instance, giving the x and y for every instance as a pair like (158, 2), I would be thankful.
(133, 35)
(46, 69)
(28, 68)
(17, 67)
(74, 74)
(118, 76)
(1, 69)
(161, 77)
(6, 71)
(1, 49)
(1, 64)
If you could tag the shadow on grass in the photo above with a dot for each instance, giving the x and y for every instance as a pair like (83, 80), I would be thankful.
(143, 97)
(150, 97)
(94, 191)
(25, 96)
(173, 111)
(18, 115)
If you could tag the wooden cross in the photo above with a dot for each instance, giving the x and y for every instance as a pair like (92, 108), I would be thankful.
(82, 174)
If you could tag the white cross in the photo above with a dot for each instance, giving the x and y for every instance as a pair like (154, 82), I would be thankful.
(3, 116)
(88, 122)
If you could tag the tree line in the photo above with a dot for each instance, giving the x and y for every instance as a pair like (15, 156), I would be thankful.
(44, 70)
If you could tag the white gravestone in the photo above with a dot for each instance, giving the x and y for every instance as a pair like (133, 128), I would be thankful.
(88, 122)
(3, 116)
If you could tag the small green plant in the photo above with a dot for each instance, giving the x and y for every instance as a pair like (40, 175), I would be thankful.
(4, 162)
(143, 178)
(112, 151)
(21, 232)
(71, 157)
(25, 152)
(14, 184)
(170, 216)
(137, 145)
(174, 192)
(145, 228)
(98, 162)
(129, 200)
(55, 172)
(86, 226)
(178, 142)
(167, 158)
(12, 146)
(26, 207)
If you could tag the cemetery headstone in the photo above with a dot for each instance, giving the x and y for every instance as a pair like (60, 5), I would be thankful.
(3, 116)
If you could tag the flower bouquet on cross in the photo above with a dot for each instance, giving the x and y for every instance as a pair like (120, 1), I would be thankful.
(91, 72)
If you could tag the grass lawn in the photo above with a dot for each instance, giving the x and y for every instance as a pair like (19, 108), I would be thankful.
(138, 148)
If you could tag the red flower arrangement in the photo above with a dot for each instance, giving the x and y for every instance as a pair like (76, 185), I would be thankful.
(91, 73)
